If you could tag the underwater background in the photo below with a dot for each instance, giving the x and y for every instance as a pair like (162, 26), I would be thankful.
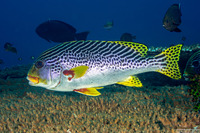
(143, 18)
(161, 105)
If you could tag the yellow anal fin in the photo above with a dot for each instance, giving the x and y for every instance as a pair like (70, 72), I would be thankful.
(89, 91)
(132, 81)
(171, 56)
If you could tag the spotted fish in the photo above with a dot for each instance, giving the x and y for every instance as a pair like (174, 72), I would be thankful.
(192, 67)
(85, 66)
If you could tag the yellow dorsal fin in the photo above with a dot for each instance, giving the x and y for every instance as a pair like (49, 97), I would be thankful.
(132, 81)
(89, 91)
(171, 57)
(141, 48)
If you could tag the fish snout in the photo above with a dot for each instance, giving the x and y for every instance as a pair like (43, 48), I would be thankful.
(33, 79)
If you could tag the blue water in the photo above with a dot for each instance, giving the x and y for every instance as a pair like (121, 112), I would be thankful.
(142, 18)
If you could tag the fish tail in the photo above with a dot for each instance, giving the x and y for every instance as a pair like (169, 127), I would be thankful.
(169, 62)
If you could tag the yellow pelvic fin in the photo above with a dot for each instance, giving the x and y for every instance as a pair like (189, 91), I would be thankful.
(79, 71)
(141, 48)
(89, 91)
(132, 81)
(171, 57)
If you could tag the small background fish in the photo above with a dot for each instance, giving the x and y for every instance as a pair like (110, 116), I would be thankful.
(127, 37)
(1, 61)
(108, 25)
(32, 57)
(20, 59)
(10, 48)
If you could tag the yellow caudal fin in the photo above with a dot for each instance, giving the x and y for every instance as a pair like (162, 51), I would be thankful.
(170, 58)
(89, 91)
(131, 81)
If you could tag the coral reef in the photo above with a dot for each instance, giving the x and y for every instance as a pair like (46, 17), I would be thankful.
(118, 109)
(189, 48)
(193, 47)
(195, 90)
(161, 105)
(14, 72)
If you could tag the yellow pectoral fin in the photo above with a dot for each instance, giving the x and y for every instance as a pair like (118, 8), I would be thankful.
(76, 72)
(131, 81)
(89, 91)
(79, 71)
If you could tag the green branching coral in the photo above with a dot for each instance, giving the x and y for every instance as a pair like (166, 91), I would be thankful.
(195, 91)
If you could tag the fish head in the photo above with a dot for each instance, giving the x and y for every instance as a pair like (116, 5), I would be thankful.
(192, 67)
(42, 74)
(7, 45)
(168, 25)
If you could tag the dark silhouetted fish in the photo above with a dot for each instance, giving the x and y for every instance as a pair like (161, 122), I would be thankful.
(58, 31)
(193, 66)
(108, 25)
(32, 57)
(20, 59)
(127, 37)
(1, 61)
(8, 47)
(172, 18)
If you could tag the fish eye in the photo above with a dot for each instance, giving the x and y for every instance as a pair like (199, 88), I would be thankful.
(195, 64)
(39, 64)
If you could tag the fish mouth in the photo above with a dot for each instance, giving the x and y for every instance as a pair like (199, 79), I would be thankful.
(33, 79)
